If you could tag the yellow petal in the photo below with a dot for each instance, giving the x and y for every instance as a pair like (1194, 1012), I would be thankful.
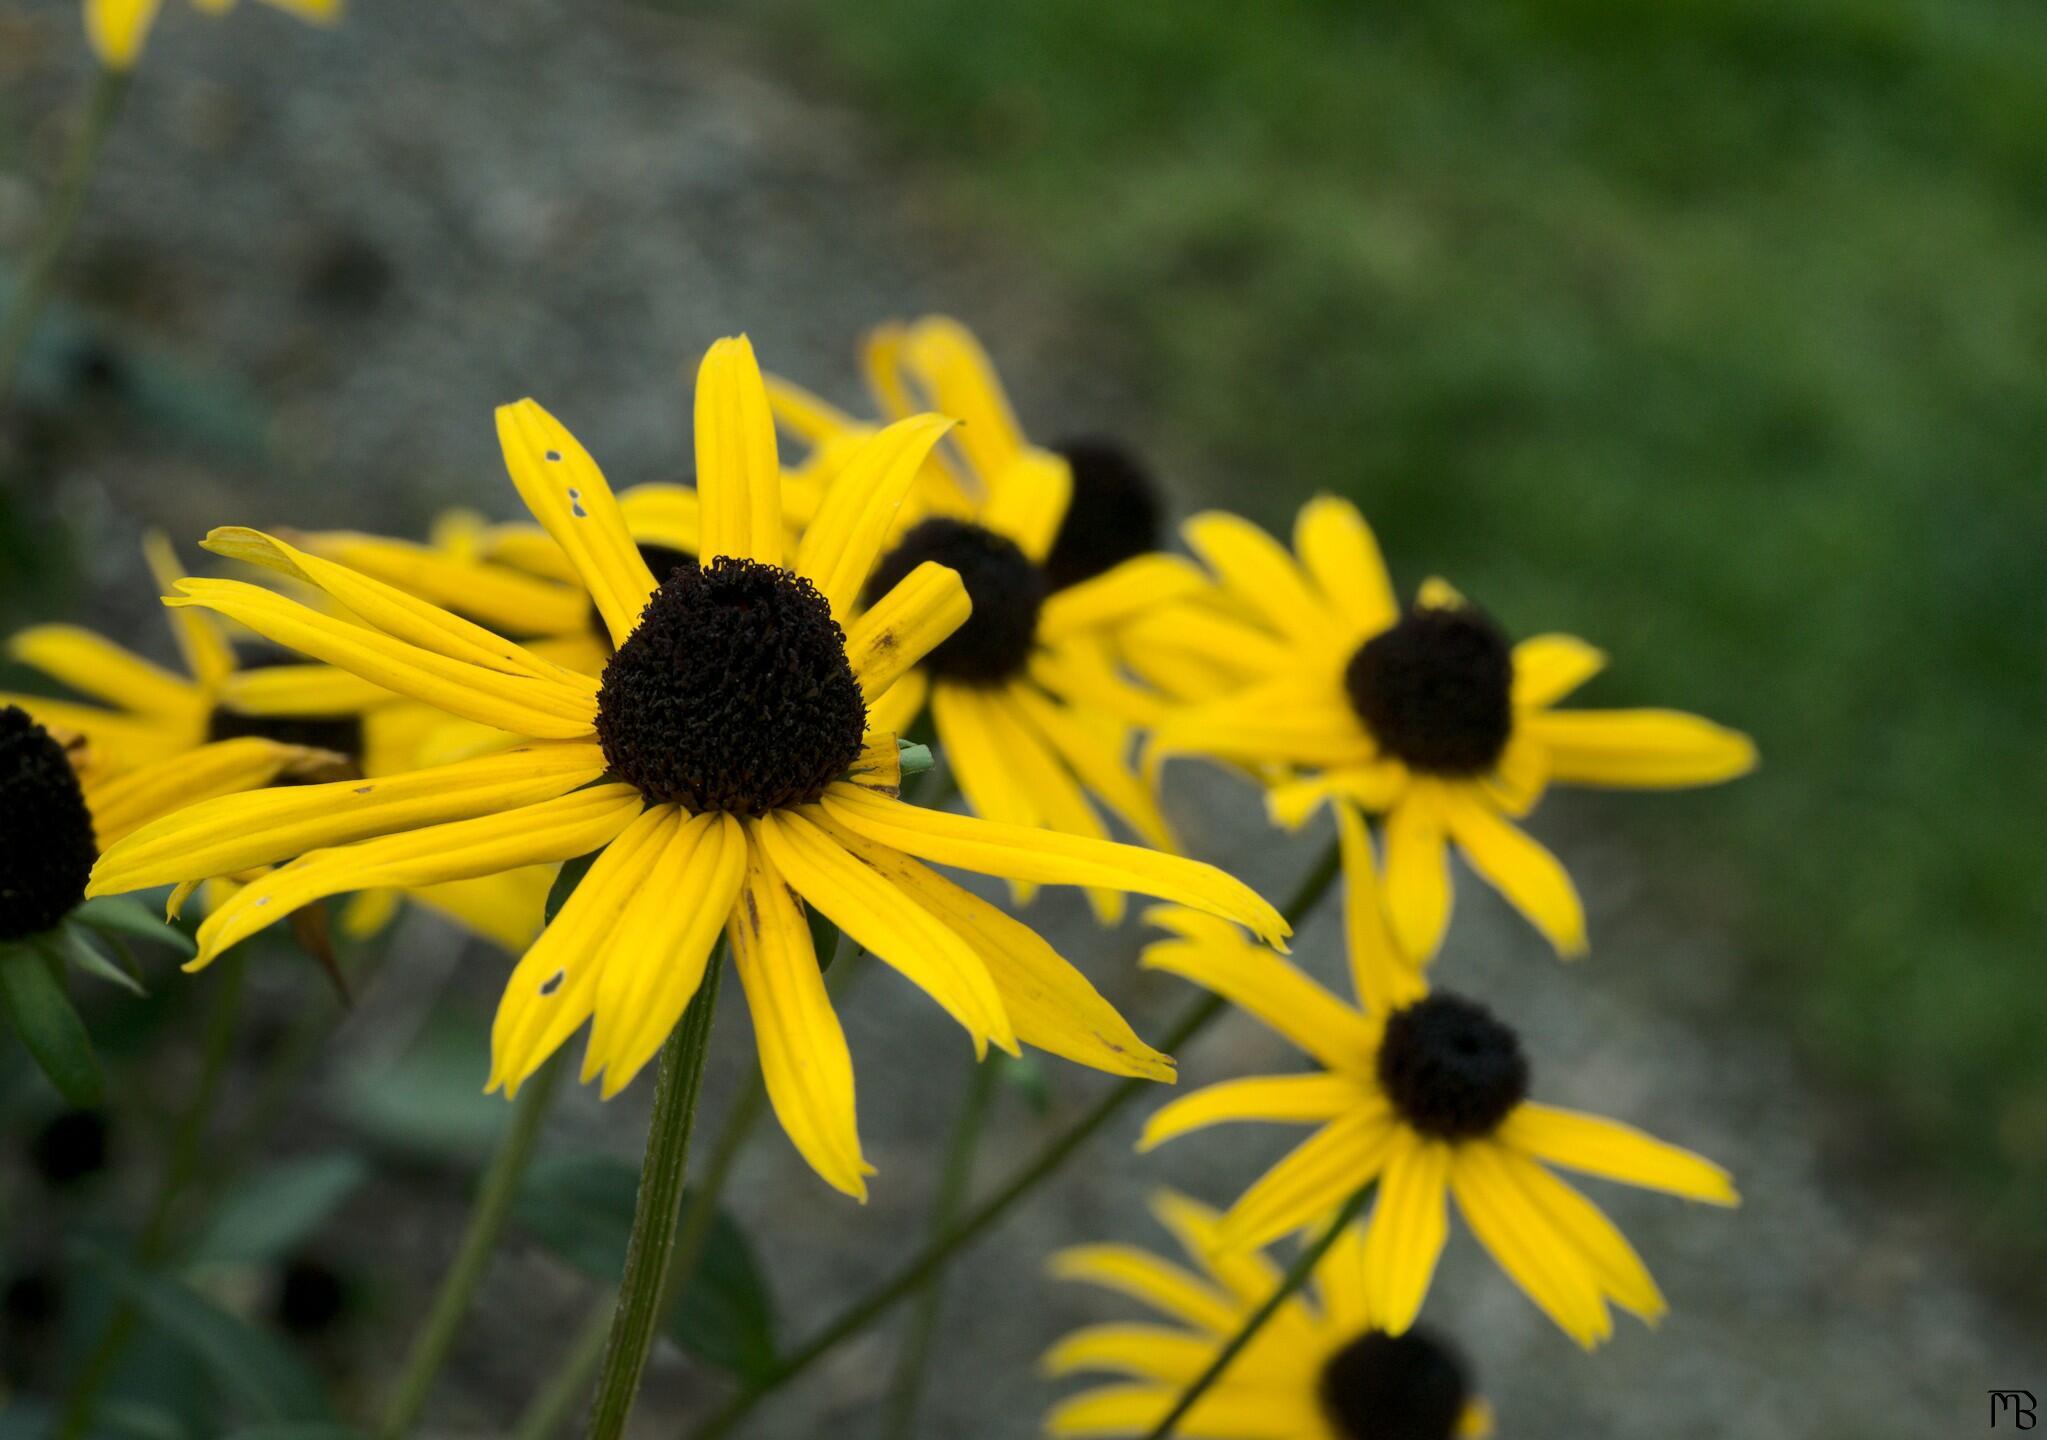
(1418, 872)
(959, 380)
(115, 740)
(1274, 1099)
(95, 666)
(1248, 1275)
(298, 690)
(1140, 584)
(1262, 576)
(1016, 853)
(881, 917)
(208, 658)
(1226, 1412)
(506, 909)
(1094, 759)
(860, 507)
(1342, 556)
(553, 830)
(1236, 647)
(1439, 594)
(1640, 749)
(1607, 1148)
(1531, 878)
(1295, 719)
(509, 601)
(1051, 1004)
(664, 514)
(896, 709)
(803, 1054)
(1149, 1352)
(1620, 1271)
(1274, 992)
(570, 498)
(1314, 1179)
(1376, 787)
(239, 832)
(1027, 500)
(973, 745)
(739, 480)
(1409, 1224)
(1142, 1276)
(1546, 1267)
(370, 911)
(1381, 974)
(117, 28)
(553, 988)
(147, 793)
(546, 709)
(1549, 667)
(905, 625)
(1061, 803)
(807, 416)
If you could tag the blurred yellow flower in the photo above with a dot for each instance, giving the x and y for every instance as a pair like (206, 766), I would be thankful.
(119, 28)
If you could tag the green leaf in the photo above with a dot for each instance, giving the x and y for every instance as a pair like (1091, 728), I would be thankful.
(125, 915)
(581, 1207)
(254, 1369)
(272, 1212)
(565, 883)
(77, 947)
(40, 1012)
(915, 758)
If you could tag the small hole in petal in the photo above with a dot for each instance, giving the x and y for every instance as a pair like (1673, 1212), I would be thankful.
(262, 902)
(364, 789)
(553, 982)
(576, 504)
(554, 455)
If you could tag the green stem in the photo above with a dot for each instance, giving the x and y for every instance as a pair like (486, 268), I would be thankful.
(950, 1199)
(37, 276)
(223, 1020)
(1296, 1276)
(935, 1255)
(487, 1219)
(644, 1285)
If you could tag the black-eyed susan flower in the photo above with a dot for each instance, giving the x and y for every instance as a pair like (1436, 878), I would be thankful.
(1428, 716)
(1320, 1369)
(724, 767)
(1025, 700)
(1426, 1093)
(119, 28)
(159, 740)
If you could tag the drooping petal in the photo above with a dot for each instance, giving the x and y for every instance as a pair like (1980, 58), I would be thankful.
(508, 600)
(1410, 1221)
(661, 945)
(1533, 880)
(1149, 1352)
(1381, 975)
(1342, 556)
(881, 917)
(739, 479)
(973, 742)
(1620, 1271)
(546, 709)
(1062, 804)
(803, 1054)
(860, 507)
(1546, 1267)
(1277, 1099)
(1607, 1148)
(1549, 667)
(95, 666)
(1272, 991)
(553, 830)
(1261, 575)
(1017, 853)
(1313, 1180)
(1376, 786)
(569, 496)
(239, 832)
(136, 797)
(1095, 759)
(1640, 749)
(1418, 871)
(1051, 1004)
(1143, 1276)
(905, 625)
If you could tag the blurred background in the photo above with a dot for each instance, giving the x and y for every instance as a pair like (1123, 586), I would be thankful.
(1714, 331)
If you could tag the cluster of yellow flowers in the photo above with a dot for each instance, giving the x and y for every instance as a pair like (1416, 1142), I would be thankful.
(704, 687)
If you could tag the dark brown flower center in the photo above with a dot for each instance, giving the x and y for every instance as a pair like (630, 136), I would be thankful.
(1451, 1070)
(1114, 516)
(47, 844)
(1395, 1387)
(1006, 588)
(1435, 690)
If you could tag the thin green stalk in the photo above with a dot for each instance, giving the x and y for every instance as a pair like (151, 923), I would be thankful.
(223, 1020)
(32, 292)
(935, 1255)
(951, 1196)
(487, 1218)
(1296, 1276)
(645, 1283)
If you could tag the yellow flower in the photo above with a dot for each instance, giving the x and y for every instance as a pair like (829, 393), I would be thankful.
(1426, 1094)
(1319, 1370)
(724, 768)
(160, 741)
(1025, 699)
(1427, 715)
(118, 28)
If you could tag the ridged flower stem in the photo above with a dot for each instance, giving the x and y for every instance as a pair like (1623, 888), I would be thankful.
(936, 1255)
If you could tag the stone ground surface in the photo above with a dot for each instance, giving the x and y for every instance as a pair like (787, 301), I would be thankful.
(391, 227)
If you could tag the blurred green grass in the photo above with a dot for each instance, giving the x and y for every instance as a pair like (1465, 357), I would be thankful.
(1712, 331)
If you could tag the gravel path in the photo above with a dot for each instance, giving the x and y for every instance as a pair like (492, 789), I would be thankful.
(391, 227)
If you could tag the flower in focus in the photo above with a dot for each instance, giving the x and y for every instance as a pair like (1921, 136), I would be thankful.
(1319, 1370)
(1427, 716)
(158, 741)
(1426, 1093)
(723, 768)
(118, 28)
(1025, 698)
